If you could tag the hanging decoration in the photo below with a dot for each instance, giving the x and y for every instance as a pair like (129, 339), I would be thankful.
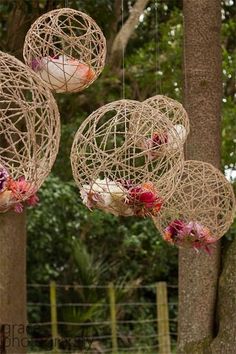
(174, 111)
(200, 211)
(115, 170)
(66, 48)
(29, 134)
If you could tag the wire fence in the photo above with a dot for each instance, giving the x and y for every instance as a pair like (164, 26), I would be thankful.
(113, 319)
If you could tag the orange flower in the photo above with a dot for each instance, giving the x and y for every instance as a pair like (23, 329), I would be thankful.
(19, 188)
(149, 186)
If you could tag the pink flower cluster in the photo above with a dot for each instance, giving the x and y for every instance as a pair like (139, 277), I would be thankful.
(19, 189)
(153, 144)
(122, 197)
(12, 192)
(144, 199)
(189, 235)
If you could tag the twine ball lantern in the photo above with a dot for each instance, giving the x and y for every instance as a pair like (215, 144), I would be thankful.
(66, 48)
(114, 165)
(174, 111)
(29, 133)
(200, 211)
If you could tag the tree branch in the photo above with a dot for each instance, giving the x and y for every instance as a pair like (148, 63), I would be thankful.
(123, 36)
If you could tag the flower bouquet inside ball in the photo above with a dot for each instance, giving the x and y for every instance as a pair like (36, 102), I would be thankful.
(63, 73)
(191, 234)
(15, 194)
(201, 209)
(115, 169)
(29, 134)
(122, 197)
(66, 48)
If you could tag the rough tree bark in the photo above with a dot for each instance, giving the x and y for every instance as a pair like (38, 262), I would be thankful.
(123, 36)
(13, 233)
(114, 26)
(198, 274)
(13, 283)
(13, 336)
(225, 342)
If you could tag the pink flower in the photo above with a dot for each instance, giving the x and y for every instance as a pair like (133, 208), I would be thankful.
(153, 144)
(18, 208)
(145, 199)
(19, 190)
(148, 198)
(4, 176)
(189, 235)
(172, 230)
(33, 200)
(159, 140)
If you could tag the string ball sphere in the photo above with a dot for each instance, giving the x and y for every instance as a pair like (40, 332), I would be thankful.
(66, 48)
(174, 111)
(123, 159)
(200, 211)
(29, 132)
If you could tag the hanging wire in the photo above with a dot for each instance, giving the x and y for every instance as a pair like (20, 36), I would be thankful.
(157, 52)
(123, 52)
(156, 46)
(66, 3)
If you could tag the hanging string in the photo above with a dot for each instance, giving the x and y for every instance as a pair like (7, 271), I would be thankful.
(158, 84)
(185, 85)
(123, 52)
(184, 57)
(156, 50)
(66, 4)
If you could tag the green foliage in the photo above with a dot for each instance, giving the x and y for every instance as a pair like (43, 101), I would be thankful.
(129, 245)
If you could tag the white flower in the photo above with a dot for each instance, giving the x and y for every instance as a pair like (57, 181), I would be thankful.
(178, 132)
(64, 74)
(107, 195)
(91, 194)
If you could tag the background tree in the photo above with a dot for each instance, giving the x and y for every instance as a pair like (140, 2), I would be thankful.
(198, 273)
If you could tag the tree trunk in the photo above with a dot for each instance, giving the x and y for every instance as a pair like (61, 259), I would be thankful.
(13, 314)
(19, 21)
(225, 342)
(13, 283)
(123, 36)
(198, 273)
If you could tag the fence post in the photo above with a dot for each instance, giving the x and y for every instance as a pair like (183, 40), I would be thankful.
(163, 331)
(54, 327)
(112, 300)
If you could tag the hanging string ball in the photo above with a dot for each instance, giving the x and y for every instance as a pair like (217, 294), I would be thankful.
(66, 48)
(200, 211)
(119, 166)
(174, 111)
(29, 133)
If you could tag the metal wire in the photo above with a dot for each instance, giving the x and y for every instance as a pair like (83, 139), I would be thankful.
(77, 286)
(123, 53)
(125, 327)
(79, 304)
(156, 48)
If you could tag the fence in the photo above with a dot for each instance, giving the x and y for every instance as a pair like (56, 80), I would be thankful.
(107, 324)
